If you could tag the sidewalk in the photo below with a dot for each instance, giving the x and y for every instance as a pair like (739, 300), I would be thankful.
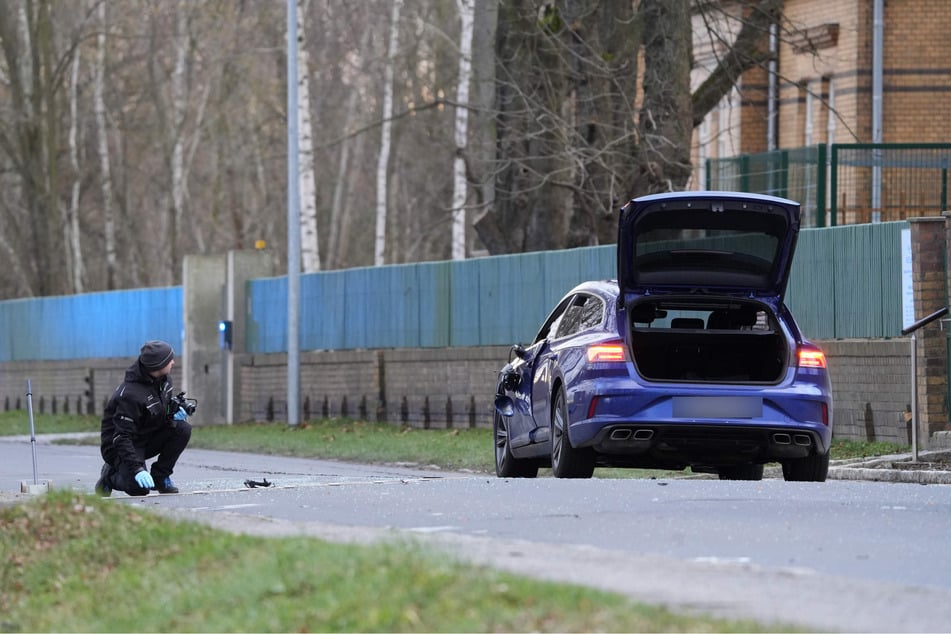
(932, 467)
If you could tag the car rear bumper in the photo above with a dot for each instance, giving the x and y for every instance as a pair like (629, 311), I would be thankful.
(676, 445)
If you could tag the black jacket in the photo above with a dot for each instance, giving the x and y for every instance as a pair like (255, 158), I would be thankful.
(137, 409)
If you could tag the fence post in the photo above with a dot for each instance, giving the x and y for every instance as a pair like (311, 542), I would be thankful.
(834, 185)
(821, 186)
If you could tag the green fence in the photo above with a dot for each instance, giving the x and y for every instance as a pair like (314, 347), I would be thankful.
(797, 174)
(845, 184)
(877, 182)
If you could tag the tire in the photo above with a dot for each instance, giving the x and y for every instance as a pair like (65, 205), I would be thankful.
(566, 461)
(507, 465)
(741, 472)
(813, 468)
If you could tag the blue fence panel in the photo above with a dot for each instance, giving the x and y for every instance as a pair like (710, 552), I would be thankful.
(501, 298)
(532, 302)
(267, 315)
(464, 293)
(392, 307)
(322, 313)
(434, 304)
(845, 282)
(91, 325)
(360, 299)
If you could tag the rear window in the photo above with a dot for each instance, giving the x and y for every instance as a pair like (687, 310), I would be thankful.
(725, 248)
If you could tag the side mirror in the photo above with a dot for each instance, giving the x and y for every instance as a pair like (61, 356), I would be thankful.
(519, 351)
(511, 381)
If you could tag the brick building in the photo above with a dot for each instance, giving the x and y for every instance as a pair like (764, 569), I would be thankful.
(826, 62)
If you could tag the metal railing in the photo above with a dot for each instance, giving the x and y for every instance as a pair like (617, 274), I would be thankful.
(845, 184)
(798, 174)
(880, 182)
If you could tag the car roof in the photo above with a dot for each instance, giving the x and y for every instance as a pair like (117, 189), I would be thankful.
(765, 198)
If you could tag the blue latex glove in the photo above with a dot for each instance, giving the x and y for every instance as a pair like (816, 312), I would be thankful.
(144, 480)
(180, 414)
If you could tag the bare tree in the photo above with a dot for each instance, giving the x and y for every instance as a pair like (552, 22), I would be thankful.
(310, 249)
(574, 107)
(566, 136)
(37, 54)
(71, 237)
(102, 146)
(382, 176)
(459, 185)
(572, 147)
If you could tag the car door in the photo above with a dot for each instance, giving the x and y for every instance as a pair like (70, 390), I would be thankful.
(562, 356)
(528, 366)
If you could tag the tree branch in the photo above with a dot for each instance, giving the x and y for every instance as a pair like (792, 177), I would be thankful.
(747, 52)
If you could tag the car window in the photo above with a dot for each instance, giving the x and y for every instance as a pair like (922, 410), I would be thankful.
(584, 312)
(551, 324)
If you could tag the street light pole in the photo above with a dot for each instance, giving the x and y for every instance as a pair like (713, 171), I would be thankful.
(293, 224)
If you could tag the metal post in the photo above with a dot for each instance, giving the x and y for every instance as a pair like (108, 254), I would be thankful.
(910, 331)
(293, 224)
(29, 409)
(914, 397)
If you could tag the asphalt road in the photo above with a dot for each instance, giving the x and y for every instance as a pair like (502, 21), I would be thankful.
(841, 555)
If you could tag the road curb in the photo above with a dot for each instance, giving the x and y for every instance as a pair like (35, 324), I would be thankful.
(891, 475)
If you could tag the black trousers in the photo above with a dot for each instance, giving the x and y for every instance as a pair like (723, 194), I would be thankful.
(168, 444)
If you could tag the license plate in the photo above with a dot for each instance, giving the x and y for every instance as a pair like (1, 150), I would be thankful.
(717, 407)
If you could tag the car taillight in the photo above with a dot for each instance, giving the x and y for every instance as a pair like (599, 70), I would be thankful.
(606, 353)
(811, 358)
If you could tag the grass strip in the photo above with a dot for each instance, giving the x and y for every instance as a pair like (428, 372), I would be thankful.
(77, 563)
(459, 449)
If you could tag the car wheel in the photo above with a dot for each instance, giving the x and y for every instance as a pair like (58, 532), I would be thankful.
(567, 461)
(507, 465)
(809, 469)
(741, 472)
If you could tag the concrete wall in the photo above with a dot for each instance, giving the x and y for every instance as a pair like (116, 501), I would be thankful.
(202, 364)
(215, 290)
(441, 387)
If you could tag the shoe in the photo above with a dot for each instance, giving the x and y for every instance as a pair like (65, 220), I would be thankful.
(102, 484)
(165, 485)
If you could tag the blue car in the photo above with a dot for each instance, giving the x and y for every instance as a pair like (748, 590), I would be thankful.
(689, 359)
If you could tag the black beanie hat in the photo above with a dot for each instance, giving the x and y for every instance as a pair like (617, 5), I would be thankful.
(155, 355)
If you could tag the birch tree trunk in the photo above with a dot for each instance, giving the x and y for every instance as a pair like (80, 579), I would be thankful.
(459, 188)
(310, 251)
(177, 159)
(74, 259)
(105, 165)
(384, 159)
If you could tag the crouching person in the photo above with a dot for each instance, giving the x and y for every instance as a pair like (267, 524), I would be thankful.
(143, 420)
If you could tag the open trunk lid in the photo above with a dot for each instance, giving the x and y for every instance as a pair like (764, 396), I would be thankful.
(729, 243)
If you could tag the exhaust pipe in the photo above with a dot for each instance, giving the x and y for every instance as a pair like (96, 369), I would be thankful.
(802, 440)
(620, 434)
(643, 434)
(782, 439)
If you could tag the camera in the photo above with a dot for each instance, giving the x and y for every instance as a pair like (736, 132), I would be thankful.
(187, 404)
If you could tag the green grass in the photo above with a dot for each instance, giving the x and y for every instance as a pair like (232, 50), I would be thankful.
(844, 449)
(77, 563)
(358, 441)
(17, 423)
(461, 449)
